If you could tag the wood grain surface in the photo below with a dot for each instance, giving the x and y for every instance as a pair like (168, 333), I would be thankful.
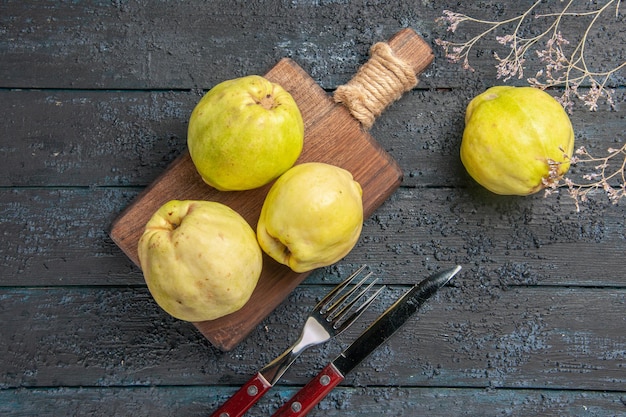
(94, 103)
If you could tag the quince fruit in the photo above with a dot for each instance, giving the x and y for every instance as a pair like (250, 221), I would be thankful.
(517, 140)
(244, 133)
(312, 216)
(200, 259)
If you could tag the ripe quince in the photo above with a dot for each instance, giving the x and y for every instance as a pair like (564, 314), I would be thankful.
(200, 259)
(517, 140)
(312, 216)
(244, 133)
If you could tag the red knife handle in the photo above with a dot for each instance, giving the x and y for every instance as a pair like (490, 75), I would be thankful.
(244, 398)
(312, 393)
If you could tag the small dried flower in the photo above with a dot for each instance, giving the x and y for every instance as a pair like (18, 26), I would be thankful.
(606, 170)
(451, 19)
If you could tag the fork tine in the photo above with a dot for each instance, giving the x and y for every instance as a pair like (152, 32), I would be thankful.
(330, 297)
(357, 313)
(342, 300)
(341, 304)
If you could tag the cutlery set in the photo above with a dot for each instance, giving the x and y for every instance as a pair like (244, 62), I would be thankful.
(330, 317)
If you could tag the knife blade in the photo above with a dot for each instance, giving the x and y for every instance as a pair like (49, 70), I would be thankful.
(375, 335)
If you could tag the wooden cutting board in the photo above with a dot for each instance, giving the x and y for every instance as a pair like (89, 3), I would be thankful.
(332, 135)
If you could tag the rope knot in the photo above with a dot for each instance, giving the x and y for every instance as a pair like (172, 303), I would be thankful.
(378, 83)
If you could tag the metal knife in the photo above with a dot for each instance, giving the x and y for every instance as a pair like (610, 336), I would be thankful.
(375, 335)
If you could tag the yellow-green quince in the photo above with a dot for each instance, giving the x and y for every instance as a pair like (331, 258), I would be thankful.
(244, 133)
(517, 140)
(200, 259)
(312, 216)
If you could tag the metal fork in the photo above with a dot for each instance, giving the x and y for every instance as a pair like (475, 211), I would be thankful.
(337, 311)
(328, 319)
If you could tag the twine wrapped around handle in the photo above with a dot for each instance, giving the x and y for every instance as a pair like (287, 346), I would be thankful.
(378, 83)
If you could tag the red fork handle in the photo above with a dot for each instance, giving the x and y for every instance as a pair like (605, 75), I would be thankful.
(244, 398)
(312, 393)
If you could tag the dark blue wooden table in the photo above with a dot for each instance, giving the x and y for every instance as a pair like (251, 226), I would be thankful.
(94, 103)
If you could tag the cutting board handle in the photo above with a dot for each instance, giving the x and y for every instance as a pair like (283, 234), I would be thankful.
(391, 71)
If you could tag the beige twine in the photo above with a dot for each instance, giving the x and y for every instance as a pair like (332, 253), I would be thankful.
(378, 83)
